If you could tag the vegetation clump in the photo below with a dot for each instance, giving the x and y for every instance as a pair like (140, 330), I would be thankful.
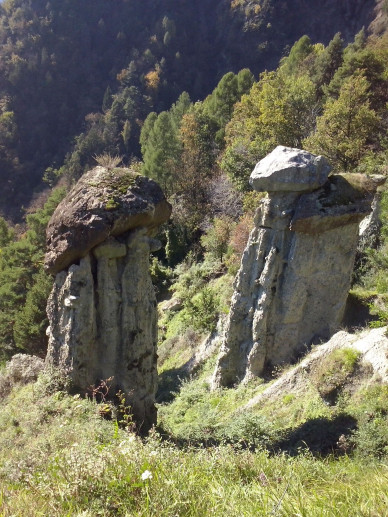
(334, 371)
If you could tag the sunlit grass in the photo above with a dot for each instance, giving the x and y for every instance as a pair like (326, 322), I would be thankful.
(59, 458)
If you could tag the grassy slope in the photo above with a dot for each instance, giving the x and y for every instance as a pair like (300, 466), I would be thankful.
(59, 458)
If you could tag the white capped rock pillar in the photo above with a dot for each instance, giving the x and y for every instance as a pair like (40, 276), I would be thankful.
(296, 270)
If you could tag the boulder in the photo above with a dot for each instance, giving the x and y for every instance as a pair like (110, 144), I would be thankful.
(105, 202)
(289, 170)
(173, 305)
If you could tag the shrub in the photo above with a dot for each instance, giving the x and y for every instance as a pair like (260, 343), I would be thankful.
(334, 371)
(202, 310)
(107, 160)
(217, 237)
(371, 408)
(250, 430)
(161, 275)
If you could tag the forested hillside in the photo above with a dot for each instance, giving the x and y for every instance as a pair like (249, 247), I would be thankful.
(96, 69)
(78, 83)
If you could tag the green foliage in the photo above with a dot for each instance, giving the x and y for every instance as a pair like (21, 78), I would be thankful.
(217, 237)
(299, 52)
(371, 436)
(193, 275)
(327, 63)
(345, 128)
(31, 321)
(177, 242)
(161, 275)
(107, 99)
(359, 57)
(6, 233)
(254, 431)
(24, 286)
(201, 311)
(204, 295)
(334, 371)
(251, 201)
(161, 149)
(220, 104)
(278, 111)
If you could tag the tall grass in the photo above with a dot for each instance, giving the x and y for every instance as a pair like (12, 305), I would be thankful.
(59, 458)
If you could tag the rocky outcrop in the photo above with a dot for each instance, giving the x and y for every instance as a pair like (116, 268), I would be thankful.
(295, 272)
(371, 344)
(102, 309)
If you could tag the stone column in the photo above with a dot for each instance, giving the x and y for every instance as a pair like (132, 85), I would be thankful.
(102, 308)
(296, 270)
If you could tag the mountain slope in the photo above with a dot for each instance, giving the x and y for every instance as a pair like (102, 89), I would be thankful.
(58, 58)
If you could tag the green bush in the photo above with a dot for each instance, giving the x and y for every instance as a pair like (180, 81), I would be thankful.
(161, 275)
(334, 371)
(370, 439)
(249, 430)
(201, 311)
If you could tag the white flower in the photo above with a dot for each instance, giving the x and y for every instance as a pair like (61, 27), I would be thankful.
(146, 475)
(153, 453)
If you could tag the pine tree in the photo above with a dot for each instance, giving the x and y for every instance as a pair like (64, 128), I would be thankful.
(327, 63)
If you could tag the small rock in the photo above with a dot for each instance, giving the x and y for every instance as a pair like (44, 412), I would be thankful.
(173, 305)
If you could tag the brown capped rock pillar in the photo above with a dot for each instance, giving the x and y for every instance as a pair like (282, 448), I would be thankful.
(102, 309)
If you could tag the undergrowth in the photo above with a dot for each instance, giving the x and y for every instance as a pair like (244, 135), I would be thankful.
(58, 457)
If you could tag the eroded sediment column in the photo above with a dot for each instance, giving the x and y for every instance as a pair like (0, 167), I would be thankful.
(102, 309)
(296, 270)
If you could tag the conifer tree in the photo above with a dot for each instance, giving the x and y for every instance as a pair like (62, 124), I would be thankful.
(346, 126)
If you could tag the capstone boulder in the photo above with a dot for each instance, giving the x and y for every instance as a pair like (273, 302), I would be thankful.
(105, 202)
(289, 170)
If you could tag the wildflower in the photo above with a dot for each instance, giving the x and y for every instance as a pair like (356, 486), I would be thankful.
(153, 453)
(146, 475)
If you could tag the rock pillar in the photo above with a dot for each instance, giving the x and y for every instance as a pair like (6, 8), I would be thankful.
(296, 270)
(102, 308)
